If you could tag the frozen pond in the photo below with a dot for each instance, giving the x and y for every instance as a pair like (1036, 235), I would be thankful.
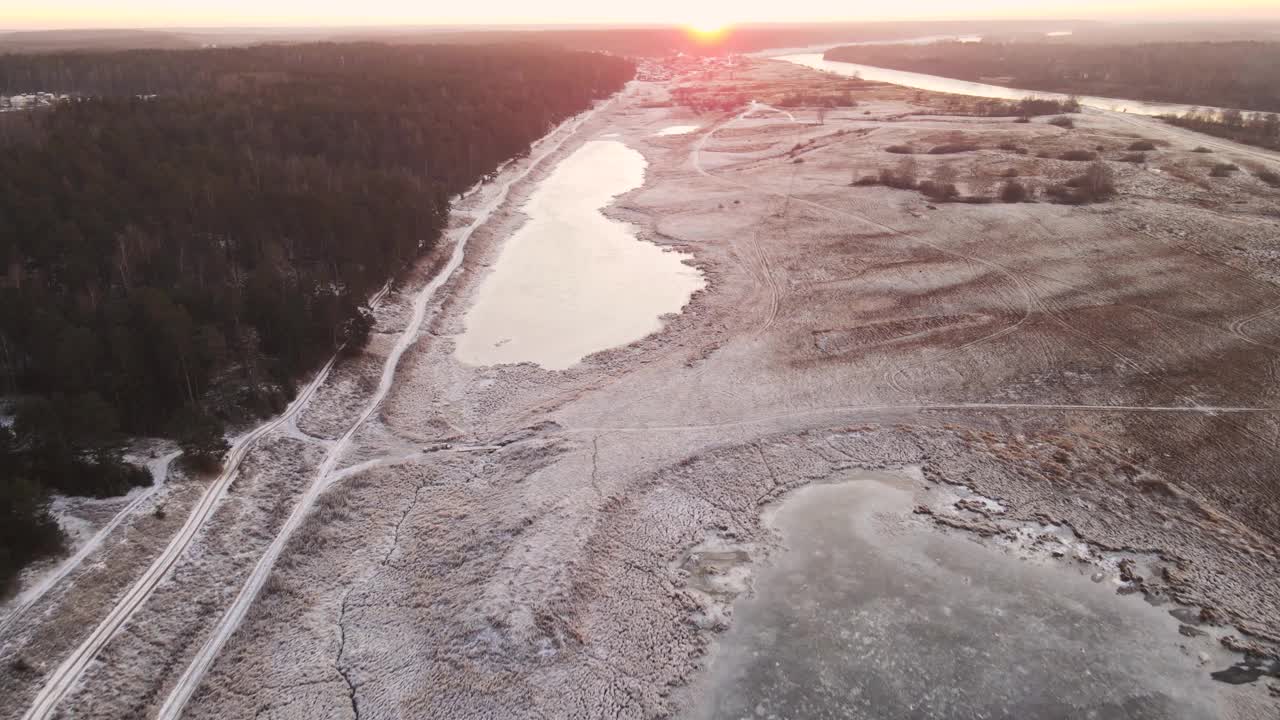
(964, 87)
(678, 130)
(870, 613)
(570, 281)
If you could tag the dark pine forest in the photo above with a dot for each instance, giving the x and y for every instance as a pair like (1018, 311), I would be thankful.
(191, 232)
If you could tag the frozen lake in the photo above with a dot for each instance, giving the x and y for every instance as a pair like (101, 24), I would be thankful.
(570, 281)
(871, 614)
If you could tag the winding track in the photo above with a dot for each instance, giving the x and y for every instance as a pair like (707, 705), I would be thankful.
(65, 677)
(756, 260)
(325, 475)
(159, 471)
(841, 410)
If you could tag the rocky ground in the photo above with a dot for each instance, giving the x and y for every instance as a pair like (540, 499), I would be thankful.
(1094, 386)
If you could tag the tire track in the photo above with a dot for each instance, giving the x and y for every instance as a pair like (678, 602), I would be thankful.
(1238, 326)
(893, 375)
(28, 598)
(68, 674)
(976, 407)
(1032, 302)
(760, 267)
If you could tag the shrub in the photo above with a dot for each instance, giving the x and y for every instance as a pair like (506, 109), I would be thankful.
(355, 331)
(1098, 182)
(900, 149)
(1202, 149)
(29, 532)
(889, 178)
(1046, 106)
(1014, 192)
(1063, 193)
(1010, 173)
(1269, 177)
(1023, 120)
(1079, 155)
(1012, 147)
(1063, 122)
(867, 180)
(1134, 157)
(1142, 145)
(1223, 170)
(941, 192)
(953, 148)
(200, 437)
(1095, 185)
(903, 177)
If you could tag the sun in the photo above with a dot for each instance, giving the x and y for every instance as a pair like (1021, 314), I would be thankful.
(706, 28)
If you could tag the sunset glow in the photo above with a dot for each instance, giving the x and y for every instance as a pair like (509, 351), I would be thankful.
(706, 30)
(707, 27)
(711, 16)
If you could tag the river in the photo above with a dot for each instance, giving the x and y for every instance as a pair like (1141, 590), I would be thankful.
(812, 57)
(937, 83)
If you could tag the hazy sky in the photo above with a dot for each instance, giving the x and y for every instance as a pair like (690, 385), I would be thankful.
(169, 13)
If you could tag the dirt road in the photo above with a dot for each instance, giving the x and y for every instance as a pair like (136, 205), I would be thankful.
(69, 673)
(195, 672)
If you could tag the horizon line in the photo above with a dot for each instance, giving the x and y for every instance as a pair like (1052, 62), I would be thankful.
(479, 25)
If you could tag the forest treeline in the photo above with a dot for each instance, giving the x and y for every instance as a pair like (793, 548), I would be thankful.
(195, 230)
(1229, 74)
(1251, 128)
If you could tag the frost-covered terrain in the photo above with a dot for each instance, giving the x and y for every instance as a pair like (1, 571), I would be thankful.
(1057, 423)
